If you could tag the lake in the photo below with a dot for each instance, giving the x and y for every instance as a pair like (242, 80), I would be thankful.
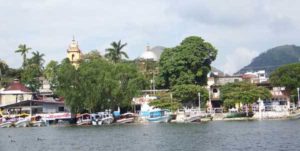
(210, 136)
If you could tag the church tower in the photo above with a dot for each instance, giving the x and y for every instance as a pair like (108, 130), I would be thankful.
(74, 53)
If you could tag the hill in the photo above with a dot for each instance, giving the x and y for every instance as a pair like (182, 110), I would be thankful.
(273, 58)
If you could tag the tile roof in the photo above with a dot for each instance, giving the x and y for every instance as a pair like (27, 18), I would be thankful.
(17, 85)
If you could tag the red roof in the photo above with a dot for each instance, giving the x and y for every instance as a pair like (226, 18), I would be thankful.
(16, 85)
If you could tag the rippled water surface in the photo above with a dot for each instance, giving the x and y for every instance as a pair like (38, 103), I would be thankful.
(211, 136)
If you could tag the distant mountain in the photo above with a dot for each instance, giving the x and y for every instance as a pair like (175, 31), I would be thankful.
(273, 58)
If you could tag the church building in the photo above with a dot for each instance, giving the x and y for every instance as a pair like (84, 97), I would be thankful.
(74, 53)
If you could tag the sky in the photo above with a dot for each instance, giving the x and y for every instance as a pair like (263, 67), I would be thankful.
(239, 29)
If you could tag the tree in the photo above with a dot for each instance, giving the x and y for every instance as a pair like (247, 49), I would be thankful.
(23, 49)
(94, 54)
(98, 84)
(115, 53)
(50, 74)
(188, 63)
(242, 93)
(37, 58)
(188, 94)
(30, 77)
(165, 101)
(3, 70)
(287, 76)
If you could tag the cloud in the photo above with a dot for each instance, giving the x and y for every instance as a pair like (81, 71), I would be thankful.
(237, 59)
(48, 26)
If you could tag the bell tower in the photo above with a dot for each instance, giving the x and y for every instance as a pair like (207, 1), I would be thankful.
(74, 54)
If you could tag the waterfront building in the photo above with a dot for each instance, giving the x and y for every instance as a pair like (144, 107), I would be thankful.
(14, 93)
(74, 54)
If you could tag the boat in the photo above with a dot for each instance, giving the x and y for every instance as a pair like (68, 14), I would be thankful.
(126, 118)
(96, 119)
(37, 121)
(159, 116)
(188, 115)
(23, 121)
(84, 119)
(6, 124)
(106, 117)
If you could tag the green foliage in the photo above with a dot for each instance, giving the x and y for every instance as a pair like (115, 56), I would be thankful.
(98, 84)
(189, 93)
(166, 102)
(94, 54)
(115, 53)
(242, 92)
(50, 73)
(30, 77)
(188, 63)
(32, 70)
(23, 50)
(287, 76)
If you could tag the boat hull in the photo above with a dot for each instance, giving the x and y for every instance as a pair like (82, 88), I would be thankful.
(162, 119)
(125, 120)
(6, 125)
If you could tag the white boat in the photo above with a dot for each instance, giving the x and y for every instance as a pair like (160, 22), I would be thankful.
(188, 115)
(106, 117)
(96, 119)
(84, 119)
(37, 121)
(22, 122)
(6, 124)
(159, 116)
(126, 118)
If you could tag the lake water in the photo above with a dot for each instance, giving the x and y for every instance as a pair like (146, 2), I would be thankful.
(211, 136)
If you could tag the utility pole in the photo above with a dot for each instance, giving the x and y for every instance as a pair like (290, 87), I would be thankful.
(199, 99)
(298, 89)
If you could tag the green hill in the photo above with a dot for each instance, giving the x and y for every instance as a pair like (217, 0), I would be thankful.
(273, 58)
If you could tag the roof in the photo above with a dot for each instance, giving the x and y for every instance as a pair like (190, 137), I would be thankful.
(33, 103)
(17, 87)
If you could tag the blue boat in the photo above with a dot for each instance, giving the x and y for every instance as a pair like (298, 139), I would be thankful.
(159, 116)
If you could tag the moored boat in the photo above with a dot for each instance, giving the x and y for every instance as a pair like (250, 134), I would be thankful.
(126, 118)
(159, 116)
(106, 117)
(96, 119)
(6, 124)
(84, 119)
(188, 115)
(37, 121)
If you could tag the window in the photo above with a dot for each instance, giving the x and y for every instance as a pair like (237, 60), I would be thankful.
(61, 109)
(215, 90)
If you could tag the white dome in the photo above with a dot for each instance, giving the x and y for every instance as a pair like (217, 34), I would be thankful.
(149, 55)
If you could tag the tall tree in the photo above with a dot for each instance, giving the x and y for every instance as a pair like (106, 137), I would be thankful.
(244, 93)
(51, 72)
(37, 59)
(287, 76)
(115, 53)
(188, 94)
(23, 50)
(188, 63)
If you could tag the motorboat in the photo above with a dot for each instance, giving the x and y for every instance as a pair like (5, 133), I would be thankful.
(159, 116)
(106, 117)
(126, 118)
(188, 115)
(96, 119)
(6, 124)
(84, 119)
(37, 121)
(23, 121)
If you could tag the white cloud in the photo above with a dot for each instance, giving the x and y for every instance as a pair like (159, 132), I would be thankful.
(48, 25)
(237, 59)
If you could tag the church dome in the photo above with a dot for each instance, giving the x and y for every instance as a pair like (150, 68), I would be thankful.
(149, 55)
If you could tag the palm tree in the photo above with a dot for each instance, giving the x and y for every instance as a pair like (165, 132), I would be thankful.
(37, 58)
(115, 53)
(23, 50)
